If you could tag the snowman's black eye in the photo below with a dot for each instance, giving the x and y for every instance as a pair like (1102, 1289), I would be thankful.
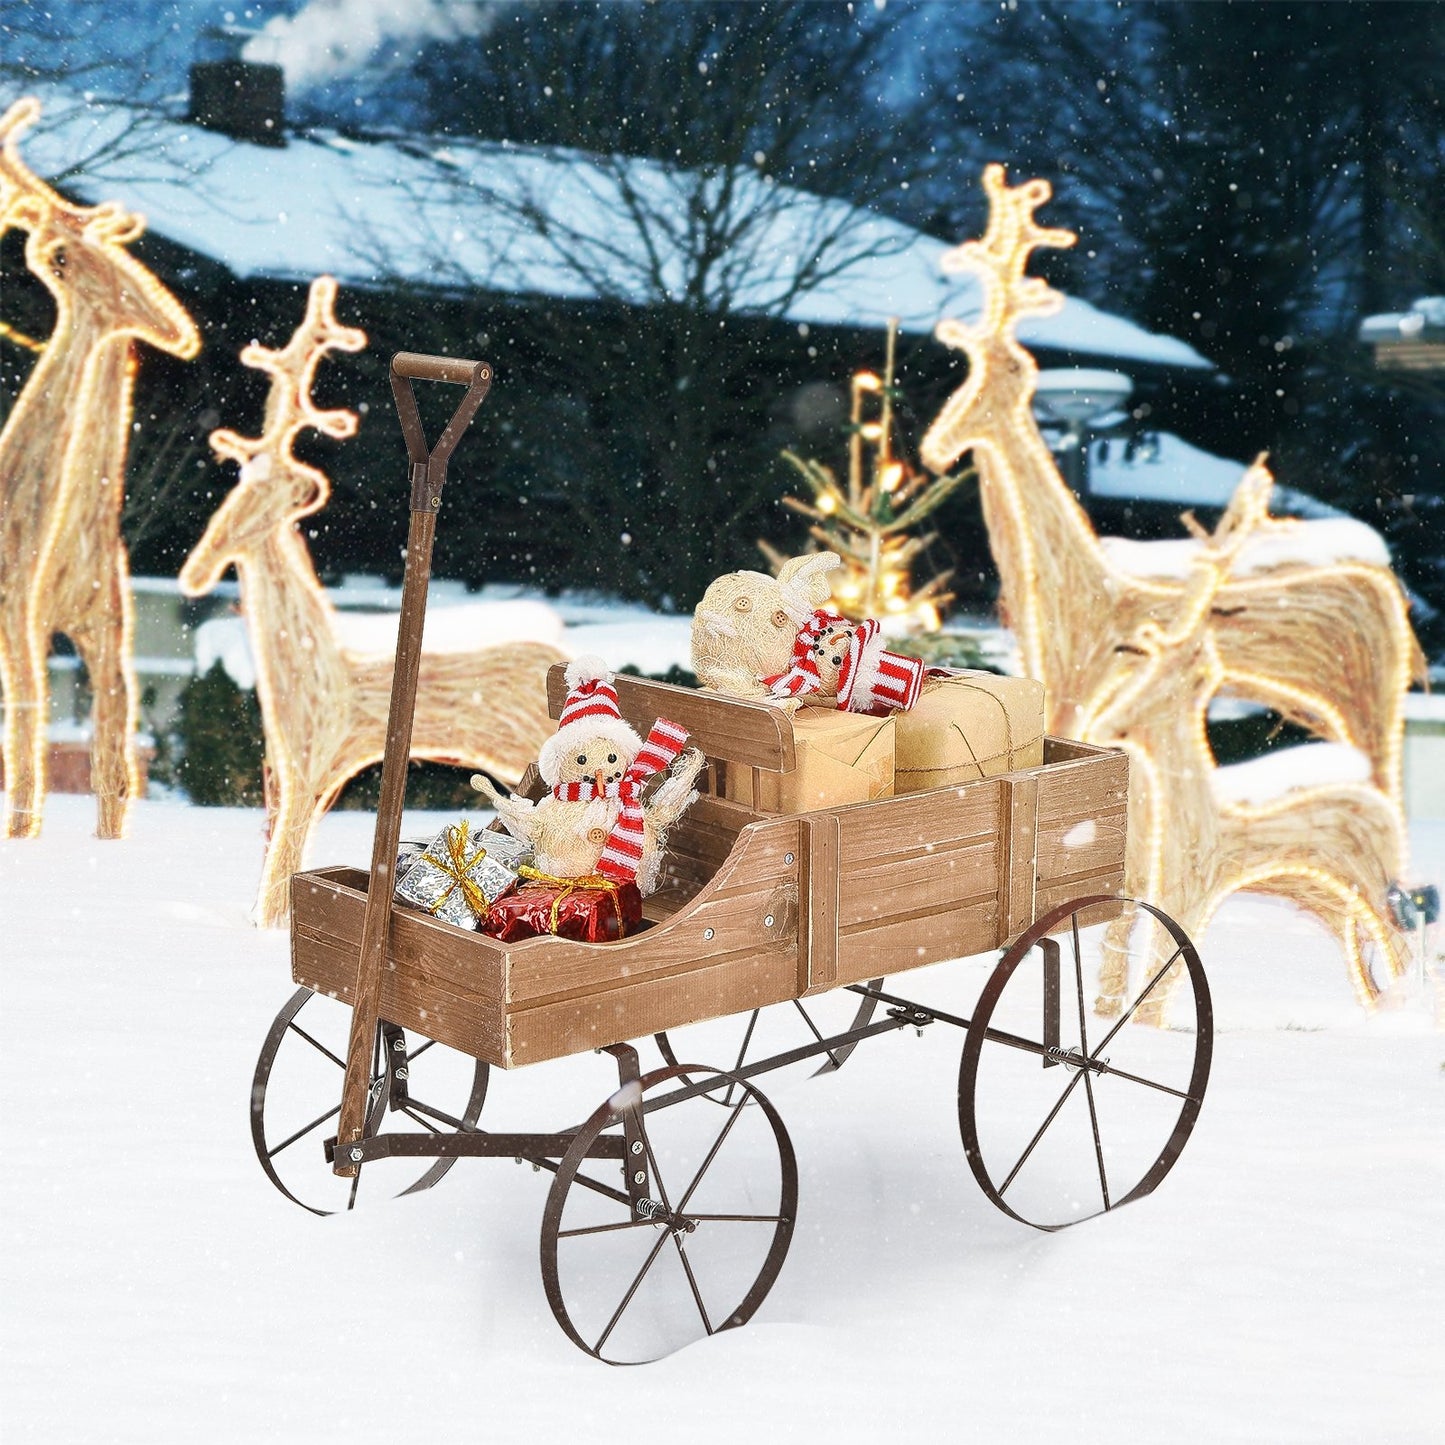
(582, 758)
(611, 757)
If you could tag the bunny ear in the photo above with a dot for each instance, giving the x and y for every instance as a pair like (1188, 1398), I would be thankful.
(805, 580)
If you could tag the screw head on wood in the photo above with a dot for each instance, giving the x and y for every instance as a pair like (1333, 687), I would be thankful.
(787, 857)
(768, 921)
(707, 935)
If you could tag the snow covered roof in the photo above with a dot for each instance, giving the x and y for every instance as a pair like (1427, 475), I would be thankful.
(1173, 470)
(416, 209)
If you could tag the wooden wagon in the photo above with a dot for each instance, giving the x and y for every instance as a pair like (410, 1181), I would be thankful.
(758, 914)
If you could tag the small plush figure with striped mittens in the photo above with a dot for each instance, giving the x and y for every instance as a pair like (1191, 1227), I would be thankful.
(602, 818)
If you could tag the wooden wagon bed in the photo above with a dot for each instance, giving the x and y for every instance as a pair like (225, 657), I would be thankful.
(755, 908)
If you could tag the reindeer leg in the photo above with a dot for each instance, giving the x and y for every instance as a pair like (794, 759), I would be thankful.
(296, 810)
(27, 709)
(103, 641)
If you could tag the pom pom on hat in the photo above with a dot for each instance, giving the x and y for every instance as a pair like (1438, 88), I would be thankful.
(590, 711)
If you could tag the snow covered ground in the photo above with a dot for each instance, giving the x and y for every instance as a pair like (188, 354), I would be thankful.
(1284, 1284)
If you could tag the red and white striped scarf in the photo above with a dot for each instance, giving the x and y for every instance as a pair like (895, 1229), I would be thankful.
(623, 850)
(871, 680)
(875, 681)
(802, 674)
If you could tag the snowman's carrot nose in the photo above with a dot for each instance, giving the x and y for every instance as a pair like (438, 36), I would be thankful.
(597, 778)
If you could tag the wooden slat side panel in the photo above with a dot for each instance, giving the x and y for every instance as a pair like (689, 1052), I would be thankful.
(757, 883)
(708, 988)
(1082, 825)
(1056, 894)
(753, 733)
(897, 857)
(460, 1021)
(899, 944)
(329, 904)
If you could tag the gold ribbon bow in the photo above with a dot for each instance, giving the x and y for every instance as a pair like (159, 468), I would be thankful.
(456, 865)
(571, 885)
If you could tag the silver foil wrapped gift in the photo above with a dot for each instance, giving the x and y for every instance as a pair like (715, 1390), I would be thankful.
(461, 872)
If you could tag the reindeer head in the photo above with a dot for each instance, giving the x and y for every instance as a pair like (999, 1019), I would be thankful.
(275, 489)
(1001, 374)
(78, 253)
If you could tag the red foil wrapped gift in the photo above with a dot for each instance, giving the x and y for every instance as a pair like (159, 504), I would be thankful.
(590, 910)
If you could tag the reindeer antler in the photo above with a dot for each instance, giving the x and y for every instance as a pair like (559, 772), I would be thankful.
(289, 408)
(1000, 258)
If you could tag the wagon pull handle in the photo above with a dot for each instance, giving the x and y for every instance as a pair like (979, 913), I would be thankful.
(428, 477)
(429, 464)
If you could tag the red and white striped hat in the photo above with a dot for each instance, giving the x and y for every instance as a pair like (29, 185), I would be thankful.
(873, 680)
(590, 711)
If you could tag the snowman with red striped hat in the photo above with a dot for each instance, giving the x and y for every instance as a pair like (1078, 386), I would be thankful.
(601, 816)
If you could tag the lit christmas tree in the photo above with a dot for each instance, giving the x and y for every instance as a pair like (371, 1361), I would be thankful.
(870, 522)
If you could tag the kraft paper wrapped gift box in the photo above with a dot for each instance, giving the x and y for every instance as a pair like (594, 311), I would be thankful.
(971, 725)
(840, 758)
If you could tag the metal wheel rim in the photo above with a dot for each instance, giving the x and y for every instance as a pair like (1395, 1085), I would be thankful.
(976, 1039)
(375, 1114)
(608, 1116)
(832, 1061)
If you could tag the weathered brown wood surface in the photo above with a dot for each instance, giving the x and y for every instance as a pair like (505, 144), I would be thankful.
(756, 734)
(753, 911)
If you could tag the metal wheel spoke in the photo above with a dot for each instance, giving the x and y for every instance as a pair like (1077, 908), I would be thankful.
(692, 1283)
(302, 1132)
(627, 1298)
(606, 1228)
(808, 1019)
(1084, 1049)
(417, 1053)
(727, 1097)
(319, 1047)
(417, 1118)
(355, 1185)
(1148, 988)
(1111, 1072)
(1034, 1142)
(711, 1154)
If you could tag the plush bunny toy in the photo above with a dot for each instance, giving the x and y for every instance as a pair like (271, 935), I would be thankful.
(747, 625)
(594, 820)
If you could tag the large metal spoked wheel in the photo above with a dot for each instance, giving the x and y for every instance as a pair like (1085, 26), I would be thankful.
(296, 1097)
(1064, 1114)
(701, 1251)
(766, 1032)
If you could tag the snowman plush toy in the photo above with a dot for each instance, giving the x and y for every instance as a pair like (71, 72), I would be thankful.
(602, 817)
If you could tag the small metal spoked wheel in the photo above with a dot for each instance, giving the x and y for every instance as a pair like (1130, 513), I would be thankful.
(296, 1097)
(1065, 1114)
(766, 1032)
(699, 1244)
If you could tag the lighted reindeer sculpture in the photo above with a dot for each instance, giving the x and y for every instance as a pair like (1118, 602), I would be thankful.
(1329, 839)
(63, 566)
(1327, 643)
(324, 708)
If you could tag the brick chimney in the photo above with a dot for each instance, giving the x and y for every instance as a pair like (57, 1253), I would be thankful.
(241, 98)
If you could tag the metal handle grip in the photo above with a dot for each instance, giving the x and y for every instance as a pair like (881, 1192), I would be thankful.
(416, 367)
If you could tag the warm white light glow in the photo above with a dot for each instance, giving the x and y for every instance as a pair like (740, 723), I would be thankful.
(62, 480)
(325, 709)
(1134, 661)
